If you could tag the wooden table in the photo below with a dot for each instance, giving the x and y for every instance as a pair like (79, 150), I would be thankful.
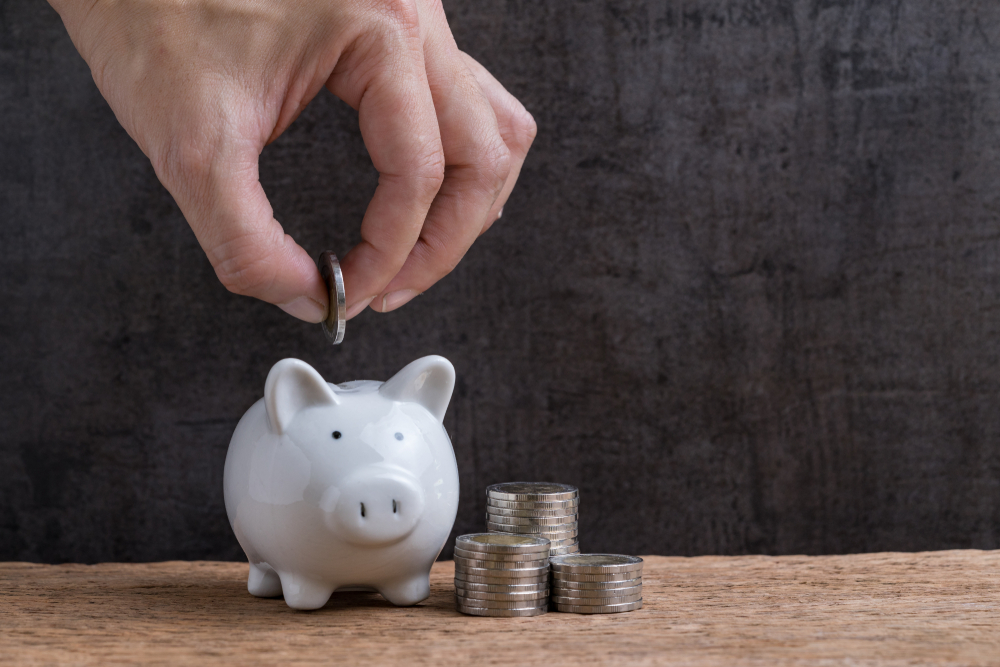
(927, 608)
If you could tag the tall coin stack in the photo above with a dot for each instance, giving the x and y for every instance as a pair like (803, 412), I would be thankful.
(536, 508)
(596, 583)
(501, 575)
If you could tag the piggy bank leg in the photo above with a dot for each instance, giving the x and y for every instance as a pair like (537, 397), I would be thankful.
(407, 590)
(263, 581)
(304, 593)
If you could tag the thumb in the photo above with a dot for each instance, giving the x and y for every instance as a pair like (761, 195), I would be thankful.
(218, 190)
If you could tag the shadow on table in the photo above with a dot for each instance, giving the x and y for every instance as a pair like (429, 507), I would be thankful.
(225, 598)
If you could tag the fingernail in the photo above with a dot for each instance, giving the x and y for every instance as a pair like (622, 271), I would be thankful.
(499, 213)
(305, 308)
(394, 300)
(358, 307)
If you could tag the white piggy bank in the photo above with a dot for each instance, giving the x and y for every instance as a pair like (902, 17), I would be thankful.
(344, 486)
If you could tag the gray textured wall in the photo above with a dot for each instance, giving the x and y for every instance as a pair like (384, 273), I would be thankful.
(745, 296)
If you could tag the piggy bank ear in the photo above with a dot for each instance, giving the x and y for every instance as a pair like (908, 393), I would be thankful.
(291, 387)
(428, 381)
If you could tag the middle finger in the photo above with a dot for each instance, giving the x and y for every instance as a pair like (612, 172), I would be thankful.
(477, 165)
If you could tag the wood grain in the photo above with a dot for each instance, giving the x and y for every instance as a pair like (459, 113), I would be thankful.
(873, 609)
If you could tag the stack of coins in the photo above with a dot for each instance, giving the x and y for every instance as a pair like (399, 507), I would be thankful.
(501, 575)
(536, 508)
(596, 583)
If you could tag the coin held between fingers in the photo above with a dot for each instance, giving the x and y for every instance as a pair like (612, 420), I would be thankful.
(336, 318)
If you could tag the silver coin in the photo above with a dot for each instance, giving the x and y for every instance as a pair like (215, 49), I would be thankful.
(500, 544)
(519, 569)
(466, 563)
(605, 577)
(532, 521)
(484, 611)
(502, 597)
(503, 558)
(502, 576)
(509, 596)
(562, 544)
(510, 573)
(563, 539)
(563, 584)
(585, 593)
(500, 604)
(568, 549)
(570, 513)
(501, 588)
(596, 563)
(598, 609)
(532, 491)
(503, 580)
(575, 549)
(534, 529)
(622, 599)
(558, 505)
(531, 530)
(336, 317)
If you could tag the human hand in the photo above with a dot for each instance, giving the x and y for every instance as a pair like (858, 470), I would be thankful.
(203, 85)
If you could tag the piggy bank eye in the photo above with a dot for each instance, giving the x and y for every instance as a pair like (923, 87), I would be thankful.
(336, 435)
(399, 436)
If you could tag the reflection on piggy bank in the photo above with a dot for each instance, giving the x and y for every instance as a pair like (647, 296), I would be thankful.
(344, 486)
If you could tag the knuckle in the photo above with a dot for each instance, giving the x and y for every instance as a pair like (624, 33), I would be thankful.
(429, 171)
(494, 166)
(404, 13)
(245, 266)
(440, 254)
(523, 129)
(499, 161)
(98, 72)
(183, 160)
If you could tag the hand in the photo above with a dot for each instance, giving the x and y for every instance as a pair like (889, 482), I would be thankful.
(203, 85)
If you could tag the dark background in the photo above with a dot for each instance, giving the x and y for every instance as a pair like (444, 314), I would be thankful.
(745, 295)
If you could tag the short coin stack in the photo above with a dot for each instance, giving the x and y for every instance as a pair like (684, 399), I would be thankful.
(596, 583)
(536, 508)
(501, 575)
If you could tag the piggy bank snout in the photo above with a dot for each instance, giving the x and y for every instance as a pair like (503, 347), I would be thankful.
(375, 508)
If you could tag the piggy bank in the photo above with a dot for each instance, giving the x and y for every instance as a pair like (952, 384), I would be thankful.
(350, 486)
